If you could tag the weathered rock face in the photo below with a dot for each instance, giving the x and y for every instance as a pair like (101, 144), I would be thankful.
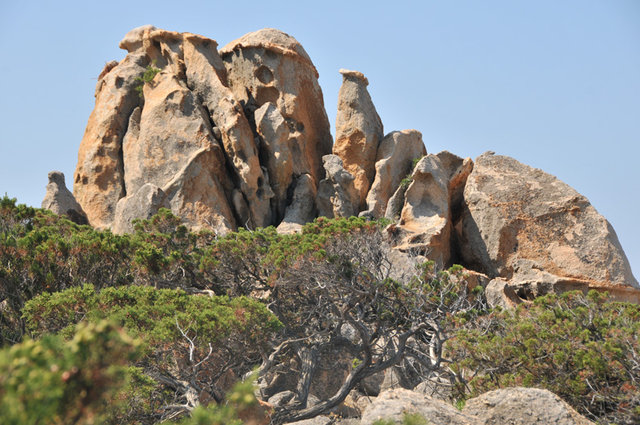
(60, 200)
(337, 194)
(99, 176)
(394, 161)
(517, 219)
(302, 208)
(359, 131)
(522, 406)
(153, 151)
(274, 133)
(207, 77)
(269, 66)
(144, 203)
(392, 405)
(426, 219)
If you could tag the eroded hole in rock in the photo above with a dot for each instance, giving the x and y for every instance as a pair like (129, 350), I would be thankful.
(267, 94)
(264, 74)
(524, 292)
(119, 82)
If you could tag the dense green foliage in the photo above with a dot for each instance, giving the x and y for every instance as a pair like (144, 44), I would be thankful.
(204, 310)
(65, 382)
(175, 329)
(586, 349)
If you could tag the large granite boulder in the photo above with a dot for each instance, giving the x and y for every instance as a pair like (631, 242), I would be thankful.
(359, 131)
(522, 406)
(519, 221)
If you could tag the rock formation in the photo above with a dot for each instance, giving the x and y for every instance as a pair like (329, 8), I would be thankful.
(60, 200)
(269, 66)
(522, 224)
(394, 161)
(427, 216)
(523, 406)
(358, 131)
(239, 137)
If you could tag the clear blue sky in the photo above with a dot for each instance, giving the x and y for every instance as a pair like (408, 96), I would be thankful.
(555, 84)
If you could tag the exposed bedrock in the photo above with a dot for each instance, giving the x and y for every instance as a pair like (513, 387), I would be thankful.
(240, 137)
(523, 224)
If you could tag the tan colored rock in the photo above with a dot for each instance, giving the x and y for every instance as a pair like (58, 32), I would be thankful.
(359, 131)
(133, 40)
(426, 220)
(394, 162)
(274, 133)
(337, 195)
(142, 204)
(171, 128)
(196, 194)
(523, 406)
(99, 175)
(207, 78)
(271, 66)
(517, 220)
(500, 293)
(59, 200)
(394, 404)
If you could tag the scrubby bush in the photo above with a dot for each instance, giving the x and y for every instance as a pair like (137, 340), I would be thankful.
(586, 349)
(194, 346)
(51, 381)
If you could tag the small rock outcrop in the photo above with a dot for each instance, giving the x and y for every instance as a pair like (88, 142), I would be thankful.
(394, 404)
(394, 161)
(302, 208)
(60, 200)
(517, 220)
(337, 194)
(359, 131)
(146, 202)
(522, 406)
(427, 216)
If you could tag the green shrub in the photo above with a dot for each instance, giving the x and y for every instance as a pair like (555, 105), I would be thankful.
(189, 342)
(51, 381)
(584, 349)
(146, 78)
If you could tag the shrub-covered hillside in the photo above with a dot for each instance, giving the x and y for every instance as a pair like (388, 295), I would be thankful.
(165, 325)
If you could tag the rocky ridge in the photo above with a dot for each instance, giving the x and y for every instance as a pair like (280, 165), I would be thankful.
(239, 137)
